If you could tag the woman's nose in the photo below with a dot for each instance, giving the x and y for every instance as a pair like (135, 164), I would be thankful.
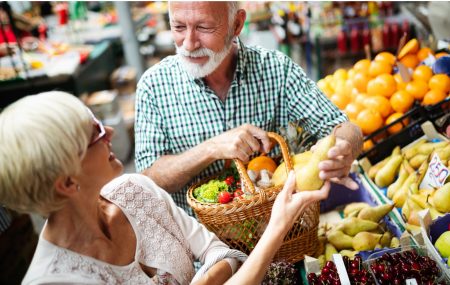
(109, 133)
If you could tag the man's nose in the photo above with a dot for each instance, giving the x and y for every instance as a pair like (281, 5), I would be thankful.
(190, 42)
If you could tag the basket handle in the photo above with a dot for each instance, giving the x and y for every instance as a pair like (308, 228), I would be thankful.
(248, 184)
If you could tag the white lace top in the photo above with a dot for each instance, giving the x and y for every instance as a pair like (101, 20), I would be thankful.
(167, 239)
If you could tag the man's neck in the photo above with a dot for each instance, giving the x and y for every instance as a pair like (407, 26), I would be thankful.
(220, 80)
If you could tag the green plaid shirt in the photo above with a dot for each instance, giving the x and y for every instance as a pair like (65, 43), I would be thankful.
(175, 112)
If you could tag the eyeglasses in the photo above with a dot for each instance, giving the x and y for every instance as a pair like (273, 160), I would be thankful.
(101, 132)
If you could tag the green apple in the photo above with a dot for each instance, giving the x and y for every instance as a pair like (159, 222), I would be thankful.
(443, 244)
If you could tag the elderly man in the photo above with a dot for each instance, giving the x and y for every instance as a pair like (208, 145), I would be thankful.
(217, 98)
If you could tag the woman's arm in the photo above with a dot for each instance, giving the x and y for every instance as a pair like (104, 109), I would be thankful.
(286, 209)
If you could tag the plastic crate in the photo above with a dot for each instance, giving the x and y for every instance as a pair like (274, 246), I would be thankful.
(438, 114)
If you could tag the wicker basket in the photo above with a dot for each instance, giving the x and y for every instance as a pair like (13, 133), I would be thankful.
(241, 222)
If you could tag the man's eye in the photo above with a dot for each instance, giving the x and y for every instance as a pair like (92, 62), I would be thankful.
(204, 29)
(178, 27)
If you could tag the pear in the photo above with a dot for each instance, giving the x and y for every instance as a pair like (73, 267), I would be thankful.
(441, 198)
(395, 242)
(405, 210)
(402, 176)
(355, 206)
(386, 238)
(420, 199)
(444, 153)
(417, 160)
(298, 160)
(329, 251)
(307, 177)
(412, 151)
(443, 244)
(414, 218)
(321, 260)
(435, 213)
(352, 226)
(422, 171)
(339, 240)
(375, 214)
(413, 229)
(413, 188)
(387, 173)
(428, 148)
(365, 241)
(400, 195)
(348, 253)
(375, 168)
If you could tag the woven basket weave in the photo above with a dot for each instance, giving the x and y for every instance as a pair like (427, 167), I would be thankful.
(241, 222)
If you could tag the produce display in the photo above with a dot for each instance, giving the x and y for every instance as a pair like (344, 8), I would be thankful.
(373, 93)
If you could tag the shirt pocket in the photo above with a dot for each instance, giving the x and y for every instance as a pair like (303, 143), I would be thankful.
(266, 124)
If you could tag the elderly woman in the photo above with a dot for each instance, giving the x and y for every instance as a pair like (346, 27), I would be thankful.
(56, 160)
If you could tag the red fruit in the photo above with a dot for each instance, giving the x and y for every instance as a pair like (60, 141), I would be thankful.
(224, 197)
(238, 193)
(229, 180)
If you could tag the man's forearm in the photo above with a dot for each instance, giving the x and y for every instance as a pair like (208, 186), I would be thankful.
(351, 133)
(173, 172)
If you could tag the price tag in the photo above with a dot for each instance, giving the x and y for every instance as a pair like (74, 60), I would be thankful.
(436, 174)
(411, 282)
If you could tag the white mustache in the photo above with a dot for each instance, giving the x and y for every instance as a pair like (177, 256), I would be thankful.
(201, 52)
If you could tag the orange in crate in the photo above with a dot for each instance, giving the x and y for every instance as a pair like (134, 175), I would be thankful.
(262, 162)
(379, 67)
(401, 101)
(369, 121)
(422, 72)
(380, 104)
(410, 60)
(440, 81)
(433, 96)
(397, 127)
(423, 53)
(385, 56)
(417, 88)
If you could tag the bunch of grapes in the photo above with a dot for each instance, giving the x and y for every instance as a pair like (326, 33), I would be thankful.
(396, 268)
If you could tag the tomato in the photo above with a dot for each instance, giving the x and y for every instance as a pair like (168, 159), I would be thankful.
(238, 192)
(224, 197)
(229, 180)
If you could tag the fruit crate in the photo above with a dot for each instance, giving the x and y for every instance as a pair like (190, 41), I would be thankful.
(438, 114)
(404, 264)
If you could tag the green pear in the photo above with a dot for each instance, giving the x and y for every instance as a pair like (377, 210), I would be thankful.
(365, 241)
(307, 177)
(387, 173)
(348, 253)
(386, 238)
(329, 251)
(402, 176)
(375, 214)
(412, 151)
(355, 206)
(443, 244)
(395, 242)
(339, 240)
(351, 226)
(441, 199)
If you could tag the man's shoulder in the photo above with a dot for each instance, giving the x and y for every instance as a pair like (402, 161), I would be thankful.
(261, 54)
(167, 66)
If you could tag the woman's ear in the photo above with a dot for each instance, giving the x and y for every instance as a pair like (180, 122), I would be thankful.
(66, 186)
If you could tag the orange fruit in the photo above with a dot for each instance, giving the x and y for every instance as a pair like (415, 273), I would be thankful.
(379, 67)
(423, 53)
(367, 145)
(360, 81)
(410, 61)
(340, 74)
(422, 72)
(385, 56)
(360, 98)
(262, 162)
(401, 101)
(353, 109)
(440, 81)
(340, 100)
(380, 104)
(410, 47)
(369, 121)
(350, 73)
(398, 126)
(362, 65)
(400, 83)
(417, 88)
(383, 84)
(440, 54)
(433, 96)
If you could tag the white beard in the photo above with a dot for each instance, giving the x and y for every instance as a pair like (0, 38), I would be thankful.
(202, 70)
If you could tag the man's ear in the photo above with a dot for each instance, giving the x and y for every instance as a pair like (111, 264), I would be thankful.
(240, 20)
(65, 186)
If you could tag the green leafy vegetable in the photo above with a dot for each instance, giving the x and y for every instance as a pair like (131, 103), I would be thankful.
(209, 192)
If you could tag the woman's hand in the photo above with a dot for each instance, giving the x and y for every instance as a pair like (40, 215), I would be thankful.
(289, 205)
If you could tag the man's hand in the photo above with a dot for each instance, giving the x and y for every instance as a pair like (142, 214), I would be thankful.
(240, 142)
(289, 205)
(337, 167)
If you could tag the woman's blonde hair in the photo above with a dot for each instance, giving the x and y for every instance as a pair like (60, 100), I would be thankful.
(42, 137)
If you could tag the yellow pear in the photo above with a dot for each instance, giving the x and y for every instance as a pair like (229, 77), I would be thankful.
(375, 168)
(375, 214)
(420, 199)
(348, 253)
(428, 148)
(339, 240)
(387, 173)
(385, 240)
(352, 225)
(435, 213)
(417, 160)
(414, 218)
(307, 177)
(413, 150)
(405, 210)
(329, 251)
(279, 176)
(402, 176)
(401, 194)
(355, 206)
(365, 241)
(413, 229)
(444, 153)
(441, 199)
(321, 260)
(395, 242)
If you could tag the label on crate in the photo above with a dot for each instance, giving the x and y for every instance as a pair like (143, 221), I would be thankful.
(436, 174)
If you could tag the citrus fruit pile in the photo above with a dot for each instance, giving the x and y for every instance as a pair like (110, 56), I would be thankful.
(372, 95)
